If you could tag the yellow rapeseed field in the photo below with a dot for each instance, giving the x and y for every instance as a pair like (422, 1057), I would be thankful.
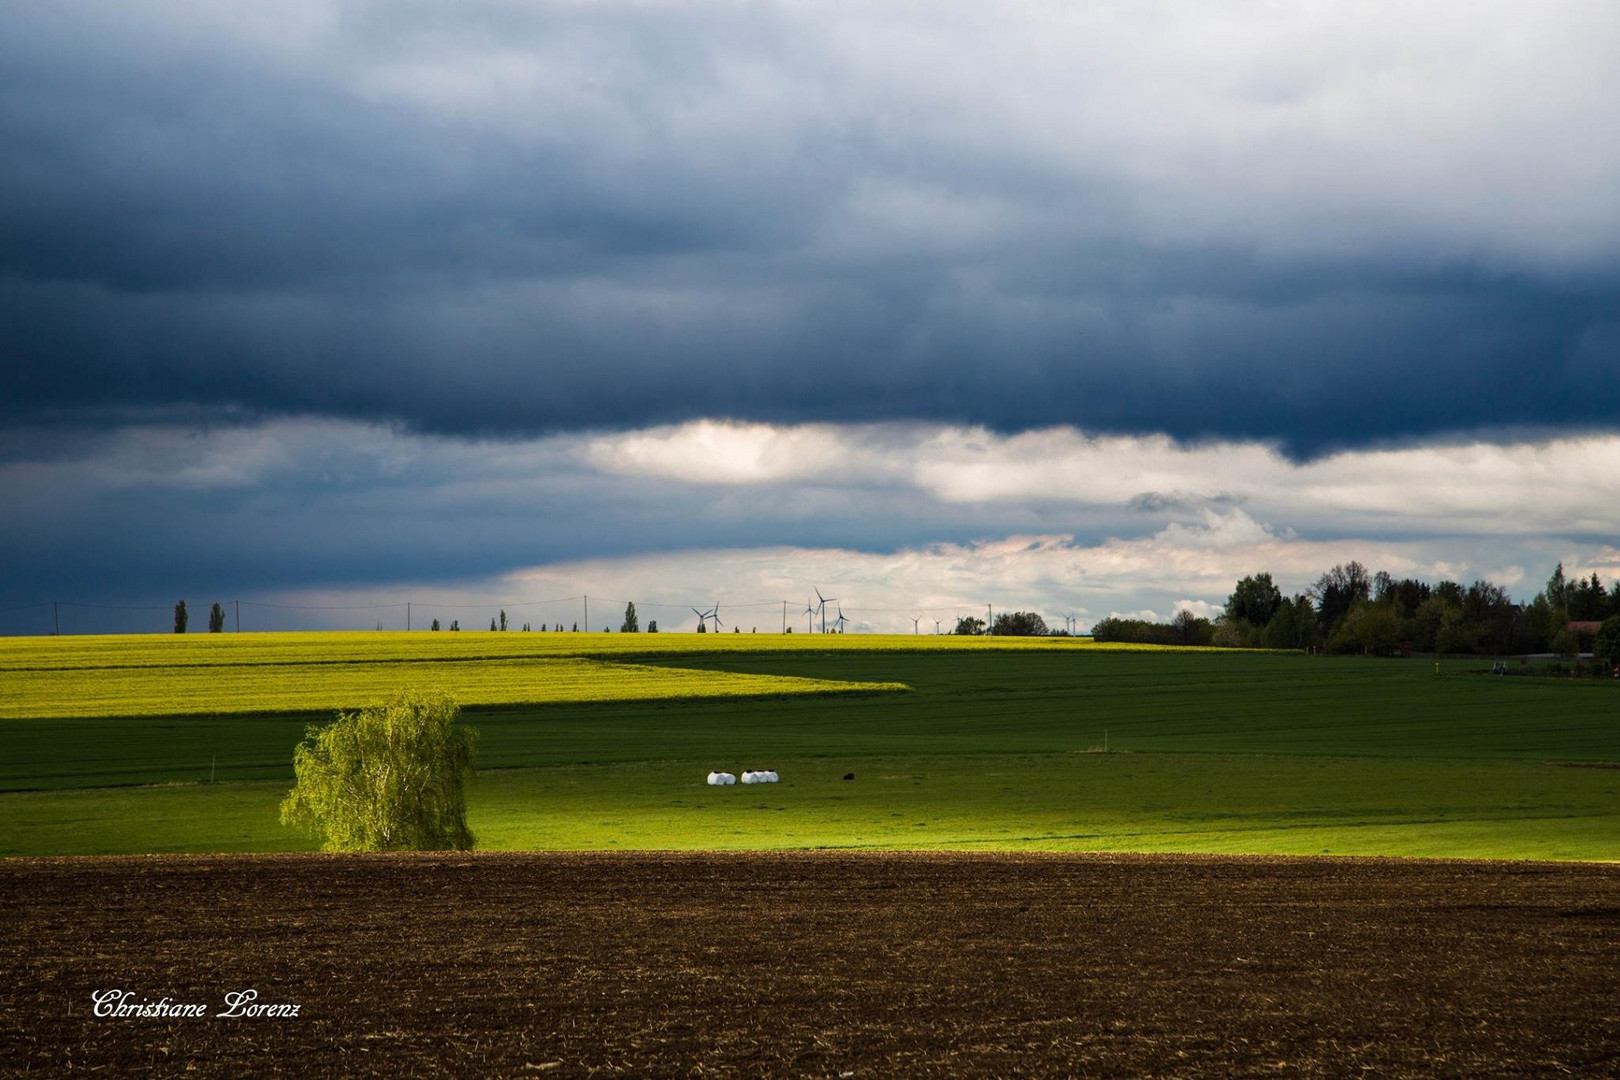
(222, 689)
(141, 650)
(256, 673)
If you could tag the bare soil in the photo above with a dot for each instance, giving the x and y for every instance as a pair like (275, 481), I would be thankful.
(815, 964)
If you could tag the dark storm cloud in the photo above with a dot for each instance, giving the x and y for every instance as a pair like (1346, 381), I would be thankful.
(515, 219)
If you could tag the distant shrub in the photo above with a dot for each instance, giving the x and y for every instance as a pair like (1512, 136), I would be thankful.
(1185, 629)
(1020, 624)
(1606, 645)
(390, 777)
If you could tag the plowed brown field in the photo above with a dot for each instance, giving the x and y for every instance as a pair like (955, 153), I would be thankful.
(815, 965)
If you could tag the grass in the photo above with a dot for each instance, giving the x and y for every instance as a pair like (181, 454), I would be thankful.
(1058, 802)
(1227, 753)
(984, 703)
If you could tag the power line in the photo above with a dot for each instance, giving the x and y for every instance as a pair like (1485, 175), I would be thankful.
(475, 603)
(514, 604)
(314, 607)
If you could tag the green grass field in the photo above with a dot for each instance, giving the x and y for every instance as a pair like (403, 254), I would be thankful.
(991, 747)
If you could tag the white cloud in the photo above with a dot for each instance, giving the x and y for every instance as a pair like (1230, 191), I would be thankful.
(1466, 128)
(1062, 522)
(717, 452)
(1470, 130)
(1565, 485)
(1053, 575)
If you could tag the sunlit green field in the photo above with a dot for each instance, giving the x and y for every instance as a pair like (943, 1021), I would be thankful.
(1076, 802)
(991, 747)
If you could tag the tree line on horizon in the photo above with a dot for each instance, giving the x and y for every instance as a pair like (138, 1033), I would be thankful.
(1349, 610)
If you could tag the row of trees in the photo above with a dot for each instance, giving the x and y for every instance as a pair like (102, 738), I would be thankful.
(631, 624)
(182, 618)
(1349, 610)
(1185, 629)
(1008, 624)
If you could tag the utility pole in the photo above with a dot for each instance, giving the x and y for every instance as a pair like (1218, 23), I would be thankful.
(407, 615)
(784, 616)
(587, 613)
(56, 617)
(989, 621)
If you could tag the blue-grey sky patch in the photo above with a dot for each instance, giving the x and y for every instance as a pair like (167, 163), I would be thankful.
(1335, 227)
(891, 515)
(344, 294)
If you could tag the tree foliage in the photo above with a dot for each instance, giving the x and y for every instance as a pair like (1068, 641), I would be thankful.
(1020, 624)
(968, 626)
(1606, 646)
(1349, 611)
(1185, 629)
(1254, 601)
(180, 617)
(1292, 626)
(216, 619)
(1367, 628)
(390, 777)
(630, 625)
(1337, 591)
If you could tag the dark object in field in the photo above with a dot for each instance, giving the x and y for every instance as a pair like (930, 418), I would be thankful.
(849, 776)
(649, 964)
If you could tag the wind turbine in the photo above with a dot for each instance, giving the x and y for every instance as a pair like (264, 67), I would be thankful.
(825, 600)
(810, 617)
(914, 621)
(936, 627)
(715, 614)
(838, 623)
(703, 617)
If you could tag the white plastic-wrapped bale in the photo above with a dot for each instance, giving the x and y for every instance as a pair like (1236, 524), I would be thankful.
(721, 779)
(752, 778)
(770, 776)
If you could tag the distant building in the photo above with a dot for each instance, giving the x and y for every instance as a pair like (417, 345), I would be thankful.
(1584, 627)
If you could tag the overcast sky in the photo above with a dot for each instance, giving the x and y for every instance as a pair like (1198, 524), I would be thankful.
(1087, 308)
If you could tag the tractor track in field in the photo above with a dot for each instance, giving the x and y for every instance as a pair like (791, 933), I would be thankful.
(814, 964)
